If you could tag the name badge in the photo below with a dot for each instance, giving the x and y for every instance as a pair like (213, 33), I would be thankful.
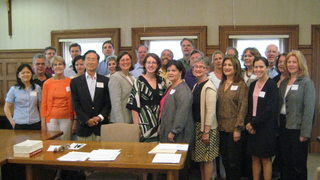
(33, 93)
(295, 87)
(68, 88)
(233, 88)
(262, 94)
(160, 86)
(100, 85)
(172, 91)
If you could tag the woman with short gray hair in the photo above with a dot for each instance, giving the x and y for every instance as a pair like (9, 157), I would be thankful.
(206, 144)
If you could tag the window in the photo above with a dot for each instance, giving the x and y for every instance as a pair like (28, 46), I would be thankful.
(158, 44)
(148, 34)
(86, 44)
(288, 33)
(61, 39)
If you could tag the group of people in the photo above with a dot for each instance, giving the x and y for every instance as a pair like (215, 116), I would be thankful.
(229, 111)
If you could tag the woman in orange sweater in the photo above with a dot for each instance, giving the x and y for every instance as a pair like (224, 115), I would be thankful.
(56, 108)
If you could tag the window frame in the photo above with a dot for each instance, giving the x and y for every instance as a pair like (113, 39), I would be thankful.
(199, 31)
(291, 30)
(113, 33)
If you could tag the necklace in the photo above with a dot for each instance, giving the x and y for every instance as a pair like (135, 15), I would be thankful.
(249, 74)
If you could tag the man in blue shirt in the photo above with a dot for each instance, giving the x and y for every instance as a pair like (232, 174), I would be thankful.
(74, 50)
(141, 52)
(272, 54)
(107, 50)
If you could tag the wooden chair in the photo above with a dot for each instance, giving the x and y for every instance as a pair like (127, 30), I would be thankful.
(317, 174)
(120, 132)
(117, 132)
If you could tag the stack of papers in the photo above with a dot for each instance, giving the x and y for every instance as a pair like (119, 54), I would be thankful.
(95, 155)
(165, 153)
(104, 155)
(74, 156)
(166, 158)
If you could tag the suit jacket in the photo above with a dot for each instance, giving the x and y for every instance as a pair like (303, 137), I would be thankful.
(177, 115)
(85, 108)
(300, 104)
(266, 115)
(120, 89)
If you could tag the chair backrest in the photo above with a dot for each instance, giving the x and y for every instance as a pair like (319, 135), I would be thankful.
(120, 132)
(317, 174)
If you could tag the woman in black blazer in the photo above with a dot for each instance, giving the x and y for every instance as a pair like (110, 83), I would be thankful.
(261, 119)
(296, 106)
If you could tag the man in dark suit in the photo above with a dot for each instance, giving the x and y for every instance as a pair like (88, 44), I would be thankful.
(91, 100)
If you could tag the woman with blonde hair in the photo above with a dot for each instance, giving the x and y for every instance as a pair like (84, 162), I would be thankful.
(57, 112)
(296, 106)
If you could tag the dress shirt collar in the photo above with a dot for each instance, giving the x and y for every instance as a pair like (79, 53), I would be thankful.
(88, 76)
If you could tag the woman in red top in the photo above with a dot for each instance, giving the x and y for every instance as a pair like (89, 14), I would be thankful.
(56, 108)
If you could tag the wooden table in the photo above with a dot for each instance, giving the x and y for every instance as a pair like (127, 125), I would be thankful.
(134, 157)
(8, 138)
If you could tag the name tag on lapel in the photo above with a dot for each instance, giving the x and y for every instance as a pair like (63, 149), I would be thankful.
(68, 89)
(295, 87)
(262, 94)
(100, 85)
(233, 88)
(172, 91)
(33, 93)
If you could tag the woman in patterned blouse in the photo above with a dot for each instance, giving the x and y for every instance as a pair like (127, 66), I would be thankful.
(144, 100)
(231, 112)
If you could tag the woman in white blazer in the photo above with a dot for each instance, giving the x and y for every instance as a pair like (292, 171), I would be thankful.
(120, 86)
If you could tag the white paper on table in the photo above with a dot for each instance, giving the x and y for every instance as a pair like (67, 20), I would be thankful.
(77, 146)
(173, 146)
(74, 156)
(52, 147)
(166, 158)
(155, 150)
(104, 155)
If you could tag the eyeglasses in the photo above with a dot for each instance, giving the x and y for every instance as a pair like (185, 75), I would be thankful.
(61, 148)
(42, 64)
(153, 63)
(199, 67)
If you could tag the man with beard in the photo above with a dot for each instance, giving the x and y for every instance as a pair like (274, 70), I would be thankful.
(166, 56)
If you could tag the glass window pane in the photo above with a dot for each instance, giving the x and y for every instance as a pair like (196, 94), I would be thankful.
(174, 45)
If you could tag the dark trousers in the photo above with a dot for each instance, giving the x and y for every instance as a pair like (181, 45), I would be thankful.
(246, 158)
(294, 153)
(231, 153)
(35, 126)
